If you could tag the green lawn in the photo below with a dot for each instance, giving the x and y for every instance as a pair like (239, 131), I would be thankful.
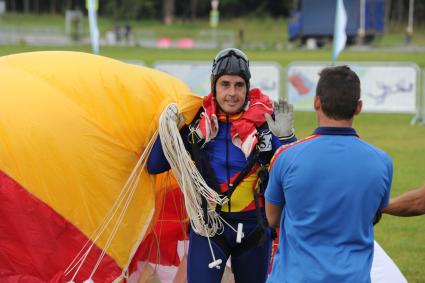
(150, 55)
(402, 238)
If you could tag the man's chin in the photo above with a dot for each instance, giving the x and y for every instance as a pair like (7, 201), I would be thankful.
(232, 109)
(233, 106)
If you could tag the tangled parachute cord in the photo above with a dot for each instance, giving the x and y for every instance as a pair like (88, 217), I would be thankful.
(192, 185)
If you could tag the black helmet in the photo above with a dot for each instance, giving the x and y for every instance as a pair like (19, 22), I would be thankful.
(230, 61)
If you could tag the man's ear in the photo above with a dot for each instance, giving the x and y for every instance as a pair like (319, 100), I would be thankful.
(359, 107)
(317, 104)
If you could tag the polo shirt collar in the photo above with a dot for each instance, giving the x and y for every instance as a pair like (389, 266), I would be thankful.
(335, 131)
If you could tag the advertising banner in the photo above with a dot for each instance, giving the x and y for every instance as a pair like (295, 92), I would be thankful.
(385, 88)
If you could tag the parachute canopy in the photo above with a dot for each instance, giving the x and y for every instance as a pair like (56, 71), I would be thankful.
(73, 126)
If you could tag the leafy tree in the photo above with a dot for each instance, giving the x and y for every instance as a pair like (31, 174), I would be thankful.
(396, 11)
(130, 9)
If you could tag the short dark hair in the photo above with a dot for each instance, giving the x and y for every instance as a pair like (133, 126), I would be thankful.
(339, 92)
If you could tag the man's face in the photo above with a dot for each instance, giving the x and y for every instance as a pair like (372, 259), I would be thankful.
(230, 93)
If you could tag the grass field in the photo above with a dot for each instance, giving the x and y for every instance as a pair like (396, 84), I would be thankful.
(266, 32)
(402, 238)
(284, 57)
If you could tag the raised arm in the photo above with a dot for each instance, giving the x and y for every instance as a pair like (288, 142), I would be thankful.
(157, 162)
(411, 203)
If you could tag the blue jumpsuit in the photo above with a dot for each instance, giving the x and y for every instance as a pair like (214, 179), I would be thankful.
(251, 263)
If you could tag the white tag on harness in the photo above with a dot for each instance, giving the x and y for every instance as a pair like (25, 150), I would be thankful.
(239, 234)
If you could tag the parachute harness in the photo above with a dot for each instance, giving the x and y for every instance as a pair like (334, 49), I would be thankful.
(194, 188)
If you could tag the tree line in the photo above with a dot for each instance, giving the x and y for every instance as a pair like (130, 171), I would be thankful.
(168, 10)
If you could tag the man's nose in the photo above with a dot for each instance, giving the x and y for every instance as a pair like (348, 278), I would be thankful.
(232, 90)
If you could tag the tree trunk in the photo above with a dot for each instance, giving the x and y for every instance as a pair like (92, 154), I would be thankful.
(399, 11)
(12, 6)
(193, 9)
(387, 19)
(36, 8)
(419, 12)
(26, 6)
(168, 11)
(52, 6)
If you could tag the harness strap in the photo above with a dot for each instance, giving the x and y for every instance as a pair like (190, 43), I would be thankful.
(204, 166)
(221, 241)
(250, 241)
(263, 176)
(256, 238)
(245, 171)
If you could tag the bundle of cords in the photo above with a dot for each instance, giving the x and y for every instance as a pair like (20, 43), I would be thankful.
(191, 183)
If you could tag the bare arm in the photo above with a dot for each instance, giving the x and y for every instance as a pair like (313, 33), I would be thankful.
(273, 213)
(408, 204)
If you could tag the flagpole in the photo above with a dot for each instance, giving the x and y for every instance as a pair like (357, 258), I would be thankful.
(362, 29)
(409, 28)
(340, 36)
(92, 6)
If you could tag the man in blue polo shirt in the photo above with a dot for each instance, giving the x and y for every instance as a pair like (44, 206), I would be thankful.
(325, 191)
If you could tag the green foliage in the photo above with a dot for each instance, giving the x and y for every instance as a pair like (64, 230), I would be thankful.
(263, 33)
(131, 9)
(396, 10)
(275, 8)
(134, 9)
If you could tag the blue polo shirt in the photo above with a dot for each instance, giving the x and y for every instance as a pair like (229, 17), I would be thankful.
(330, 186)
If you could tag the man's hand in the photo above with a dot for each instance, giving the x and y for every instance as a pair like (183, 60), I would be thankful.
(173, 113)
(283, 124)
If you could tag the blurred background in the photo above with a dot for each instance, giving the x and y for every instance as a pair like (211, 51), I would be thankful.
(205, 24)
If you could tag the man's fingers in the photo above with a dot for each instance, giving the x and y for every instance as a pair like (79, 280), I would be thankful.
(285, 106)
(276, 106)
(290, 108)
(269, 119)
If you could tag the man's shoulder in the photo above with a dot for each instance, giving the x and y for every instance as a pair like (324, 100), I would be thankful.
(380, 153)
(293, 148)
(296, 145)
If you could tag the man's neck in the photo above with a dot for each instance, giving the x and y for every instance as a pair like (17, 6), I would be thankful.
(327, 122)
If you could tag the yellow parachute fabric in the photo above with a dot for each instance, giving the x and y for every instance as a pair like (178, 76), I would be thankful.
(72, 128)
